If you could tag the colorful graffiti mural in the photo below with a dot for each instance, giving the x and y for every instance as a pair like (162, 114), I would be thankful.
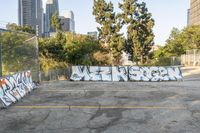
(124, 73)
(13, 88)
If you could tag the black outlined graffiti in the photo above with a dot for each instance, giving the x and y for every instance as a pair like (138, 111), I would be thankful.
(13, 88)
(124, 73)
(93, 73)
(120, 73)
(154, 74)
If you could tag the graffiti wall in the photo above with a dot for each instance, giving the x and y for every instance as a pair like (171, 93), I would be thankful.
(124, 73)
(13, 88)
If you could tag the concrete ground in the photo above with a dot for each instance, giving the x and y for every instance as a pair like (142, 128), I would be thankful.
(106, 107)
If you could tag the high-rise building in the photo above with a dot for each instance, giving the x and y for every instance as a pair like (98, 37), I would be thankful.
(51, 8)
(30, 12)
(93, 34)
(188, 17)
(46, 32)
(39, 17)
(67, 21)
(194, 12)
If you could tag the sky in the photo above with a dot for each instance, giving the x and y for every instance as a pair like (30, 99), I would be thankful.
(166, 13)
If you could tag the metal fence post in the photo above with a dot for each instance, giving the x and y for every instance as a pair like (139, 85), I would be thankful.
(194, 63)
(1, 59)
(37, 54)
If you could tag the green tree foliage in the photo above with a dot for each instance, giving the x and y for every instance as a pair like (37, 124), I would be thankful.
(109, 29)
(179, 41)
(53, 47)
(55, 21)
(15, 27)
(18, 54)
(80, 49)
(174, 46)
(139, 28)
(52, 53)
(102, 57)
(191, 37)
(67, 49)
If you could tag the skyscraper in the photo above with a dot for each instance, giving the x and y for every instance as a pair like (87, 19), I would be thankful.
(51, 8)
(188, 17)
(39, 16)
(194, 12)
(67, 21)
(30, 12)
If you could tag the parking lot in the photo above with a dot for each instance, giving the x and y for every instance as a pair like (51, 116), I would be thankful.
(107, 107)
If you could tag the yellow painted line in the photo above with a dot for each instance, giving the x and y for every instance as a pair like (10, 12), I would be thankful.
(97, 90)
(102, 107)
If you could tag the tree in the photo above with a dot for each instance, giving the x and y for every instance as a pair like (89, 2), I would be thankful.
(109, 29)
(55, 22)
(80, 49)
(178, 42)
(15, 27)
(181, 40)
(18, 54)
(67, 49)
(191, 37)
(139, 28)
(174, 44)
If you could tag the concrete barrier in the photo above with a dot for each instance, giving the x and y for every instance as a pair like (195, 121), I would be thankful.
(125, 73)
(14, 87)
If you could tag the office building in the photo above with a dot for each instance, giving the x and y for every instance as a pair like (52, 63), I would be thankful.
(65, 24)
(188, 17)
(67, 21)
(92, 34)
(46, 32)
(194, 12)
(30, 12)
(51, 8)
(3, 30)
(39, 17)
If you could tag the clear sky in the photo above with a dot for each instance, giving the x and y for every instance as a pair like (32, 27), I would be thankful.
(167, 14)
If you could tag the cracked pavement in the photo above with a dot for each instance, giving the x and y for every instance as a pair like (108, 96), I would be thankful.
(107, 107)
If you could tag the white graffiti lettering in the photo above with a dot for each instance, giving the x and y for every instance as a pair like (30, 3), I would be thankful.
(13, 88)
(123, 73)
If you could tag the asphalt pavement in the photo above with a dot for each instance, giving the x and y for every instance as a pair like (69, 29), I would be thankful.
(107, 107)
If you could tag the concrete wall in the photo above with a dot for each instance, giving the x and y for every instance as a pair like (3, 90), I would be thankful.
(124, 73)
(14, 87)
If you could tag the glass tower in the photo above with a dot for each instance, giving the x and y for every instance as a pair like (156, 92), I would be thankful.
(30, 12)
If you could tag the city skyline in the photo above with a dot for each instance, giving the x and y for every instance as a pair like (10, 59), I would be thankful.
(51, 7)
(67, 21)
(166, 18)
(31, 13)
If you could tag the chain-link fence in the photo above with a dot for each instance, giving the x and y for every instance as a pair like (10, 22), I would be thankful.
(191, 58)
(56, 74)
(175, 61)
(19, 52)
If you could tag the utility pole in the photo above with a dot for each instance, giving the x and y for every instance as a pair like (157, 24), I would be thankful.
(37, 54)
